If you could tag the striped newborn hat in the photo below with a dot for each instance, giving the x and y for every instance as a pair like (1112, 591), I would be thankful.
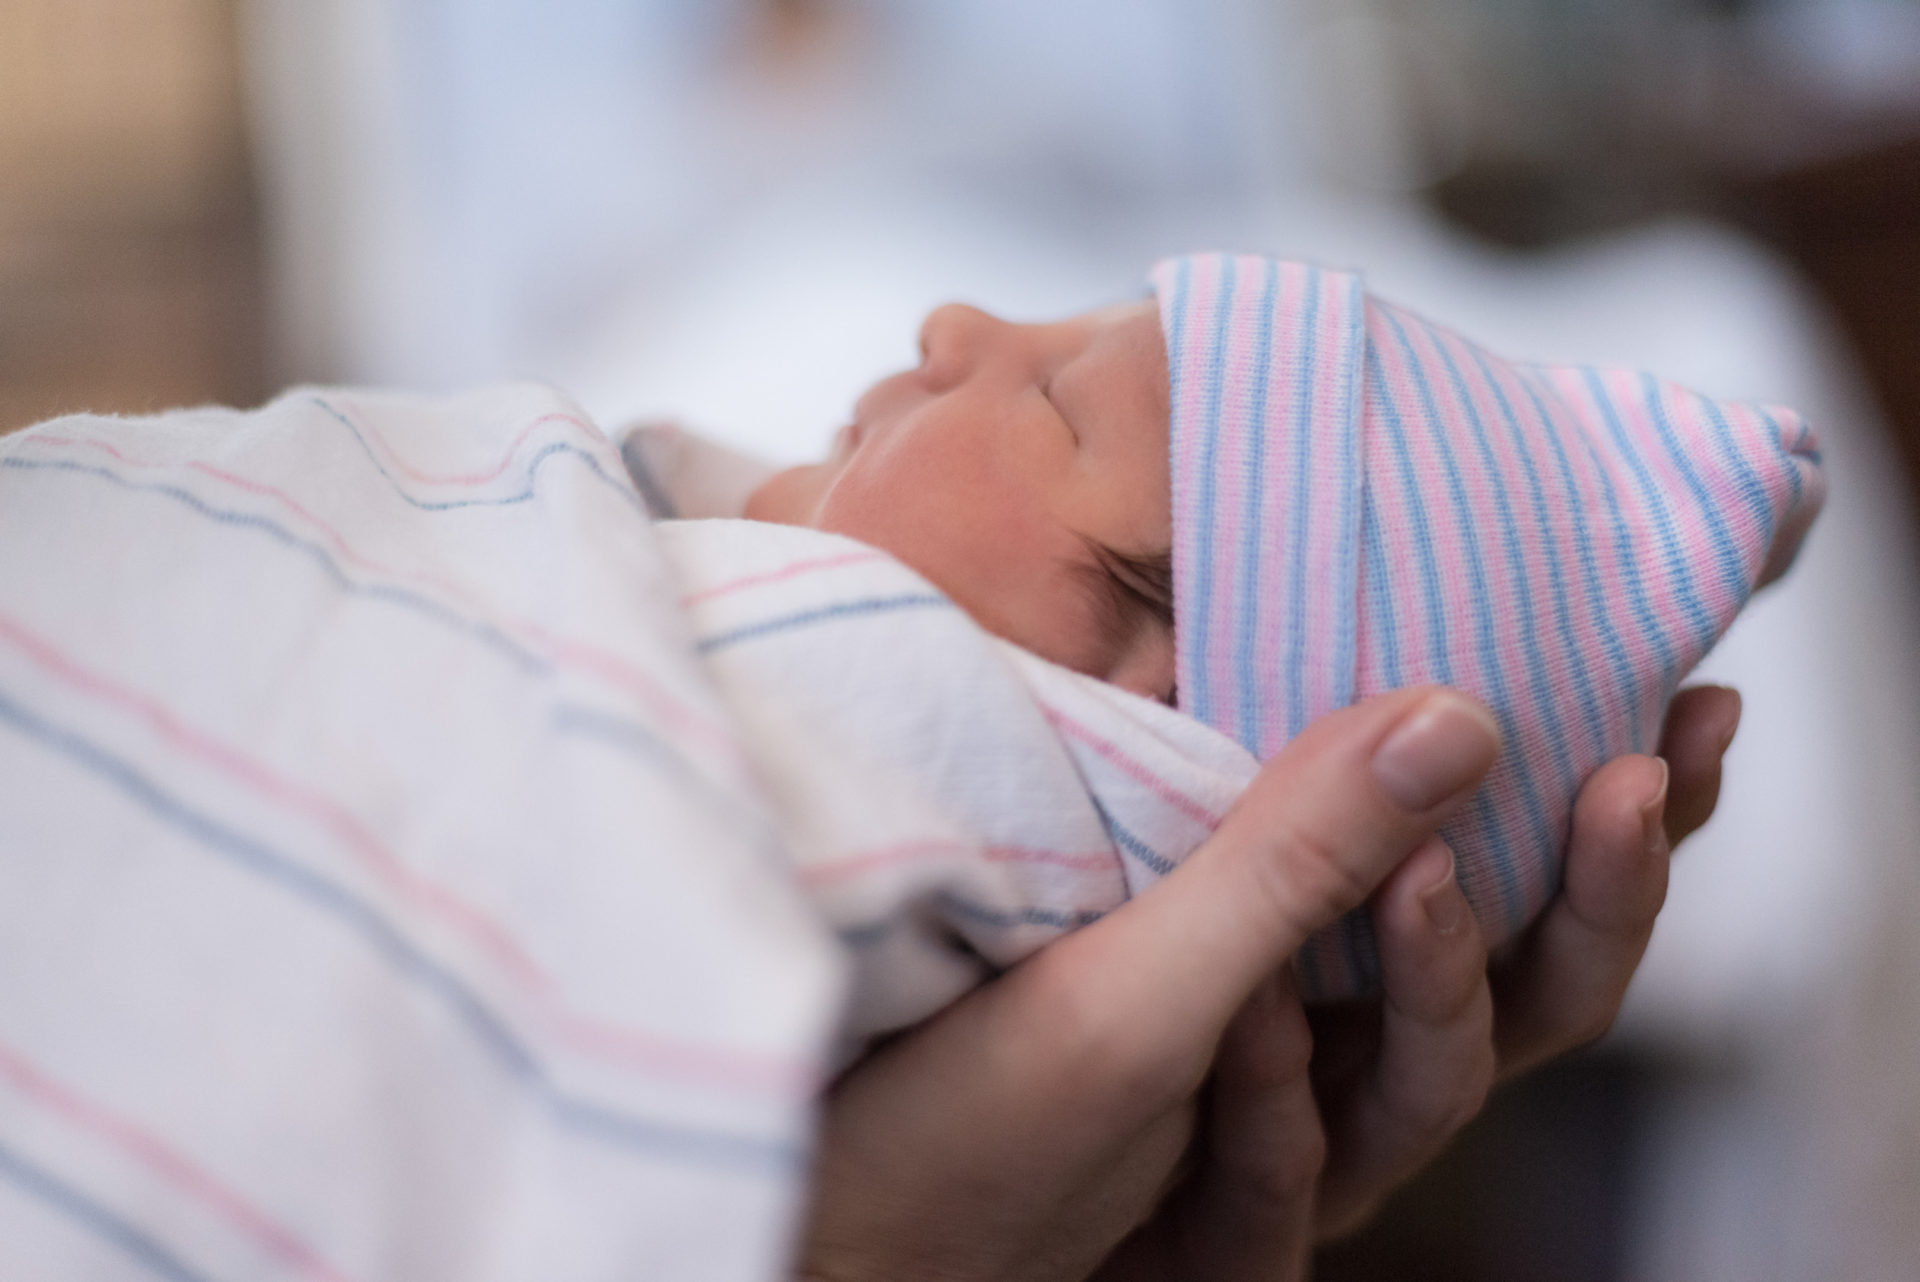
(1364, 501)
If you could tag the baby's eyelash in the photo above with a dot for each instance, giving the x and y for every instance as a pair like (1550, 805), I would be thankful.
(1128, 591)
(1133, 584)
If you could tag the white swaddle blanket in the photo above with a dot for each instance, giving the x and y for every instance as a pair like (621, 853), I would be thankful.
(950, 802)
(417, 863)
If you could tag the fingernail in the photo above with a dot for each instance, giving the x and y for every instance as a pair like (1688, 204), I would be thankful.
(1444, 744)
(1442, 901)
(1653, 813)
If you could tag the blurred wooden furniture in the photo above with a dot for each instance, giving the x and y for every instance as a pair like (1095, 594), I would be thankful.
(1853, 225)
(130, 274)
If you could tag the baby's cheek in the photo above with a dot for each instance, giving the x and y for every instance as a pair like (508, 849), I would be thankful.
(1035, 599)
(866, 504)
(1076, 634)
(791, 497)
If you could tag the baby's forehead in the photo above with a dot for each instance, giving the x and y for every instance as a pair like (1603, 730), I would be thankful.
(1132, 327)
(1129, 333)
(1124, 311)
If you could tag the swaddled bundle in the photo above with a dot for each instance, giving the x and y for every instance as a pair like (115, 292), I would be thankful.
(372, 762)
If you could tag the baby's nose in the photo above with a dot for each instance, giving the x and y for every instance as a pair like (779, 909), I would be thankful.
(950, 342)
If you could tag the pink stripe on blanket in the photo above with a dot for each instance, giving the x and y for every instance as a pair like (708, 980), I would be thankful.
(915, 851)
(1132, 769)
(606, 664)
(471, 478)
(637, 1048)
(335, 818)
(165, 1163)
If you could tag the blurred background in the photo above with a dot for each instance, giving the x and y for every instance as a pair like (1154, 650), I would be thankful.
(734, 212)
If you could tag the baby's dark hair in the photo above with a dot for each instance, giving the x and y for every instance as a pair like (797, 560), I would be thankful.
(1129, 588)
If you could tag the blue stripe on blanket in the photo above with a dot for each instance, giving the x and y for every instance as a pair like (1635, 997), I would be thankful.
(1023, 916)
(637, 741)
(806, 618)
(477, 630)
(622, 487)
(866, 934)
(94, 1218)
(658, 501)
(1130, 844)
(473, 629)
(652, 1138)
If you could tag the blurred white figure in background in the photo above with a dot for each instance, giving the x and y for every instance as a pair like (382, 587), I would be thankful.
(462, 190)
(735, 211)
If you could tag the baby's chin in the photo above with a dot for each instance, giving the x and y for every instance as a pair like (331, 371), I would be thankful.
(793, 497)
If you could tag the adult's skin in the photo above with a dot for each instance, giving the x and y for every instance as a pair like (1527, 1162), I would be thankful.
(1146, 1098)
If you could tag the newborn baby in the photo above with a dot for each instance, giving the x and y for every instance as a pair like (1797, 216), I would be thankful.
(1264, 494)
(370, 756)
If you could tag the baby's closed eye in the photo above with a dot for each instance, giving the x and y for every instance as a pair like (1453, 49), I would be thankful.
(1129, 593)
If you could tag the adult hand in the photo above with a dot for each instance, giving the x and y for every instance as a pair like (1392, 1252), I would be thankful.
(1397, 1077)
(1031, 1127)
(1027, 1131)
(1563, 986)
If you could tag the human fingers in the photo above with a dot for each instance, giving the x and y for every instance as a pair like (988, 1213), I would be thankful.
(1433, 1056)
(1700, 725)
(1320, 826)
(1035, 1120)
(959, 1150)
(1563, 985)
(1253, 1207)
(1246, 1210)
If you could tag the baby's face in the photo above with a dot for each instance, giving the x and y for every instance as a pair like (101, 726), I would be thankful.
(1023, 470)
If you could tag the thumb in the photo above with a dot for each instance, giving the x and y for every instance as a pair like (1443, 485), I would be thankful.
(1318, 829)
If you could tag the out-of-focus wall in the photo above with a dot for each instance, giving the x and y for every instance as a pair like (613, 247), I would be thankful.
(1533, 122)
(128, 252)
(457, 191)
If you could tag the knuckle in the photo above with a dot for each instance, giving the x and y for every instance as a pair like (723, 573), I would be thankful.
(1574, 1032)
(1594, 1027)
(1474, 1088)
(1592, 1020)
(1462, 1000)
(1292, 1058)
(1269, 1044)
(1346, 1217)
(1309, 1158)
(1313, 880)
(1289, 1173)
(1077, 1026)
(1431, 1111)
(1085, 1039)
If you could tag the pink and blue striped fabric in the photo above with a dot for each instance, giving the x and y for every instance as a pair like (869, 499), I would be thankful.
(417, 861)
(1364, 501)
(385, 892)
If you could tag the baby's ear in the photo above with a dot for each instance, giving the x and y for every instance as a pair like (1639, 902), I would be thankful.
(1146, 665)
